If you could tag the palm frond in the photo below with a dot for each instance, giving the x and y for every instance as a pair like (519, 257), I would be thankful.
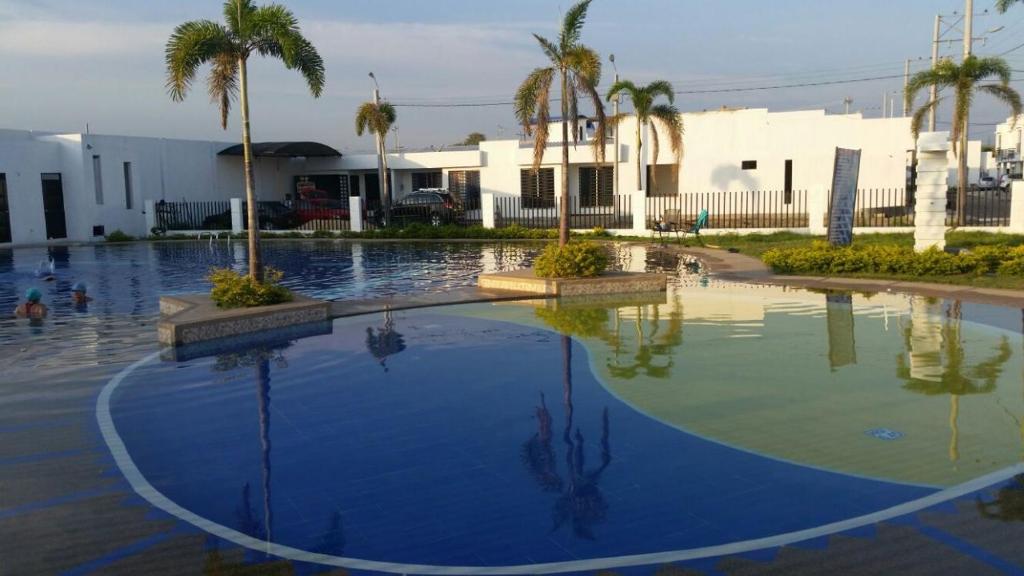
(918, 118)
(1004, 5)
(191, 45)
(584, 85)
(583, 61)
(961, 109)
(1006, 95)
(236, 14)
(668, 116)
(527, 96)
(222, 84)
(549, 49)
(274, 32)
(622, 86)
(940, 77)
(981, 68)
(375, 118)
(661, 88)
(574, 110)
(572, 25)
(655, 145)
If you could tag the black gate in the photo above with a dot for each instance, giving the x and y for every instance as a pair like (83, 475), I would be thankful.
(53, 206)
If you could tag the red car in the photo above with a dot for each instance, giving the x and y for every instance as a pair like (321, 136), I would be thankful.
(316, 205)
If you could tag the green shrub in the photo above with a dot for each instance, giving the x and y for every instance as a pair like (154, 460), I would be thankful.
(234, 290)
(119, 236)
(820, 258)
(574, 260)
(323, 234)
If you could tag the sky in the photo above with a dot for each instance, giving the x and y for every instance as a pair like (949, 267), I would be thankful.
(68, 63)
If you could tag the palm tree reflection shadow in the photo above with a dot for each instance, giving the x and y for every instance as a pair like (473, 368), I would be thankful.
(580, 503)
(384, 342)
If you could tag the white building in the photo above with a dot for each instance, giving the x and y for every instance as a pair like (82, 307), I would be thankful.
(82, 186)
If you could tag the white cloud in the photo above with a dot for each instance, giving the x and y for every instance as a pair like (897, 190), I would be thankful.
(55, 38)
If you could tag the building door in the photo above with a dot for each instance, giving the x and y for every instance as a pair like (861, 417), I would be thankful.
(53, 207)
(5, 211)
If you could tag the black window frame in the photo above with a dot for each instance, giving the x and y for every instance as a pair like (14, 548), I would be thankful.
(5, 211)
(748, 165)
(596, 186)
(537, 188)
(129, 186)
(788, 184)
(465, 185)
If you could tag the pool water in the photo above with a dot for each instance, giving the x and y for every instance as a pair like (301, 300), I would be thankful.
(547, 436)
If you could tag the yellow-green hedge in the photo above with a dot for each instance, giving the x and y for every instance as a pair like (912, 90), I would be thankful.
(574, 260)
(820, 258)
(234, 290)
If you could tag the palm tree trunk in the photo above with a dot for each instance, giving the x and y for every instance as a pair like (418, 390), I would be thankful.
(263, 390)
(563, 222)
(385, 182)
(255, 261)
(639, 156)
(961, 184)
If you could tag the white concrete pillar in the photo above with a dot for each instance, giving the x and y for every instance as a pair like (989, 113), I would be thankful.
(639, 200)
(817, 211)
(237, 216)
(355, 213)
(149, 209)
(1017, 206)
(930, 208)
(487, 209)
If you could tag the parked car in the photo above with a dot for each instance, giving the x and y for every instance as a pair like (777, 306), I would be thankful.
(434, 206)
(272, 216)
(321, 209)
(986, 183)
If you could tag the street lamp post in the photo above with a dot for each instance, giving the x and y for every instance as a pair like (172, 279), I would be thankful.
(382, 185)
(615, 139)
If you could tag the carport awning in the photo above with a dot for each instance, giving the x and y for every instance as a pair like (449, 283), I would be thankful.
(284, 150)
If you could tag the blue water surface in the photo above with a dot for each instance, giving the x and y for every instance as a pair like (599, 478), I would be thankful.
(439, 438)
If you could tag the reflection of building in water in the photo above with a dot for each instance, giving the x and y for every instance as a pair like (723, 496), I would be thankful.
(924, 348)
(842, 346)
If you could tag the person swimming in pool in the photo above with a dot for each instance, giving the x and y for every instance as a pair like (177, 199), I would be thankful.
(32, 307)
(78, 294)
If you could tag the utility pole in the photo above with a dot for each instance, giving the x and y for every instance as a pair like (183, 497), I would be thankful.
(846, 103)
(382, 183)
(906, 82)
(961, 191)
(933, 92)
(615, 114)
(885, 104)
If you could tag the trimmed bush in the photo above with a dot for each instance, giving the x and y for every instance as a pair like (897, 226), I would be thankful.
(119, 236)
(820, 258)
(574, 260)
(234, 290)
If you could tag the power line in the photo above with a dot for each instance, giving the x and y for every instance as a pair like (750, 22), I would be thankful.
(678, 92)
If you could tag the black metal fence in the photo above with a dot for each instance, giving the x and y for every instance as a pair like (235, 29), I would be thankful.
(617, 214)
(880, 208)
(209, 215)
(733, 210)
(894, 207)
(989, 207)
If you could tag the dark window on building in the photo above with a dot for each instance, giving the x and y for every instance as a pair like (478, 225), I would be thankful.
(749, 165)
(788, 195)
(421, 180)
(5, 211)
(97, 179)
(465, 184)
(596, 187)
(353, 185)
(127, 186)
(537, 188)
(99, 231)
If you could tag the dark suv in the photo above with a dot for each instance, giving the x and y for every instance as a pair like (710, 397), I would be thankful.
(434, 206)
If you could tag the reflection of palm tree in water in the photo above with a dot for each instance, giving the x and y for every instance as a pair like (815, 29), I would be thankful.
(384, 341)
(954, 377)
(650, 346)
(580, 502)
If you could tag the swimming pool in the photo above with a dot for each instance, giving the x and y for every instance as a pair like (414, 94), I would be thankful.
(527, 438)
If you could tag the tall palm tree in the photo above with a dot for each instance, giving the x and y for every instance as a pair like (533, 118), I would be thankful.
(270, 30)
(647, 112)
(578, 70)
(964, 79)
(377, 118)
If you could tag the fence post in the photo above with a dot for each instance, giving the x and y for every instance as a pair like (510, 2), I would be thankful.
(1017, 206)
(817, 211)
(236, 216)
(355, 213)
(639, 200)
(149, 209)
(932, 174)
(487, 209)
